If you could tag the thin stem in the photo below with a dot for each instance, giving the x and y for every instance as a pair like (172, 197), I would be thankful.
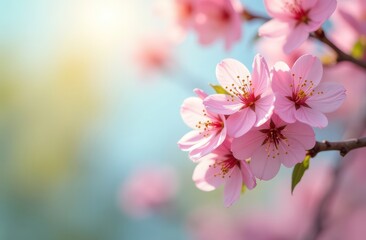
(341, 56)
(342, 146)
(248, 16)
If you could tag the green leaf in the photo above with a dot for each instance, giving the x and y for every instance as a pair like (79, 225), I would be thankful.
(358, 49)
(218, 89)
(299, 171)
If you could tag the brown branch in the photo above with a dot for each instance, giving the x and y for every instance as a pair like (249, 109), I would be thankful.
(343, 146)
(248, 16)
(341, 56)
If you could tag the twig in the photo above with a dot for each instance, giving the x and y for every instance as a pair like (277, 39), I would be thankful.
(248, 16)
(341, 56)
(343, 146)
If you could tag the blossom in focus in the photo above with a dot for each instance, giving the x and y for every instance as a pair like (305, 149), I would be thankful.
(222, 168)
(293, 20)
(148, 190)
(215, 19)
(209, 129)
(250, 99)
(273, 143)
(300, 95)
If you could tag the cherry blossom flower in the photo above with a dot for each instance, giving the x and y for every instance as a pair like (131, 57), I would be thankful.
(209, 128)
(300, 95)
(217, 19)
(148, 190)
(273, 143)
(222, 168)
(250, 99)
(295, 19)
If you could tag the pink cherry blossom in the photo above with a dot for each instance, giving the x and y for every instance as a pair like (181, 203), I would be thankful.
(215, 19)
(209, 129)
(222, 168)
(273, 143)
(148, 190)
(250, 99)
(295, 19)
(300, 95)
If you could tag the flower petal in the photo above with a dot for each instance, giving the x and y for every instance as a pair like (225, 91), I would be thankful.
(263, 166)
(285, 108)
(248, 177)
(327, 97)
(233, 187)
(308, 4)
(244, 146)
(302, 133)
(309, 68)
(291, 152)
(275, 28)
(192, 111)
(205, 176)
(222, 104)
(264, 108)
(227, 72)
(312, 117)
(281, 79)
(240, 122)
(260, 75)
(215, 140)
(190, 139)
(200, 93)
(322, 10)
(295, 38)
(275, 8)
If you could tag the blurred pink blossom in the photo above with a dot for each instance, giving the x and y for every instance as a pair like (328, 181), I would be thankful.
(148, 190)
(222, 168)
(209, 129)
(295, 19)
(250, 99)
(273, 143)
(300, 95)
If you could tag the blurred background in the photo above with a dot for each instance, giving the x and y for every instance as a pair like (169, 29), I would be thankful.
(90, 92)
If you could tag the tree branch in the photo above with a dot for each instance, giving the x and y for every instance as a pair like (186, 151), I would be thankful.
(341, 56)
(248, 16)
(343, 146)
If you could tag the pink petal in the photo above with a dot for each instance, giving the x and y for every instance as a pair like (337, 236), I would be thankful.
(275, 28)
(244, 146)
(285, 108)
(205, 176)
(312, 117)
(309, 68)
(190, 139)
(296, 37)
(240, 122)
(233, 187)
(200, 93)
(260, 75)
(292, 154)
(275, 8)
(247, 175)
(264, 108)
(281, 79)
(263, 166)
(308, 4)
(222, 104)
(302, 133)
(215, 140)
(192, 111)
(322, 10)
(227, 72)
(327, 97)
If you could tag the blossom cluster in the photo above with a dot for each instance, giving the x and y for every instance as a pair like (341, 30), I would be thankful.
(262, 120)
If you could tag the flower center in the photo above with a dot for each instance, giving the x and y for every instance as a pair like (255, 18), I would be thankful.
(209, 125)
(273, 134)
(244, 91)
(301, 92)
(225, 166)
(297, 12)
